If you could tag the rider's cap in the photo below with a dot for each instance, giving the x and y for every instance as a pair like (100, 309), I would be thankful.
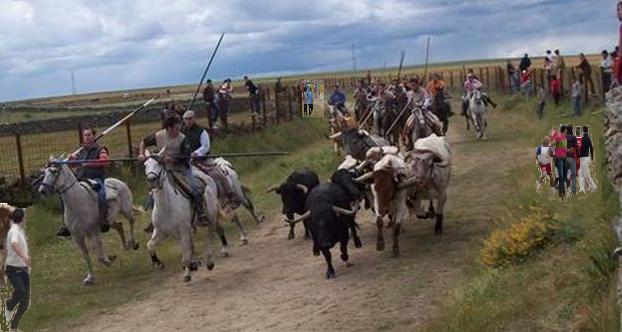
(188, 114)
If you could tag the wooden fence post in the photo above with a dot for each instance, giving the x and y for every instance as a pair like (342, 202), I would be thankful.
(263, 108)
(451, 79)
(277, 108)
(80, 133)
(487, 78)
(289, 103)
(128, 132)
(20, 158)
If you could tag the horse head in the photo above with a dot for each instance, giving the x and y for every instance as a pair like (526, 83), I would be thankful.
(154, 168)
(52, 175)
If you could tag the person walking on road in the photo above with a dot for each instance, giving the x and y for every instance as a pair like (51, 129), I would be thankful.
(17, 270)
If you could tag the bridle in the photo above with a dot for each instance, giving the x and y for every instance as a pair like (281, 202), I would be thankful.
(158, 175)
(53, 185)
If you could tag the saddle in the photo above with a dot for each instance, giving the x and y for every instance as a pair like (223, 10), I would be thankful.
(180, 183)
(430, 119)
(218, 171)
(93, 186)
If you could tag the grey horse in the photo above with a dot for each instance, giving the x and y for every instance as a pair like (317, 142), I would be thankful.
(173, 215)
(478, 110)
(81, 213)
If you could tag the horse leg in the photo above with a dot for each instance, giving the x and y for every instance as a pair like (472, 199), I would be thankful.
(185, 241)
(330, 272)
(131, 221)
(207, 251)
(248, 204)
(84, 251)
(119, 228)
(438, 227)
(238, 223)
(156, 237)
(380, 238)
(224, 252)
(99, 251)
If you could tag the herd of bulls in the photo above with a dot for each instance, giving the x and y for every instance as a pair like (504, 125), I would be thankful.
(389, 182)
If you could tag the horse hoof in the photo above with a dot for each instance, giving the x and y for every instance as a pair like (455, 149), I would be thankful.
(88, 281)
(210, 266)
(244, 241)
(158, 266)
(290, 236)
(224, 253)
(261, 220)
(330, 274)
(396, 251)
(380, 246)
(357, 243)
(187, 278)
(135, 246)
(112, 258)
(438, 231)
(344, 257)
(194, 266)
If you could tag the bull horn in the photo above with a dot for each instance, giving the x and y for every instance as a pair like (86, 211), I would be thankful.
(271, 189)
(339, 210)
(335, 136)
(299, 218)
(302, 187)
(364, 177)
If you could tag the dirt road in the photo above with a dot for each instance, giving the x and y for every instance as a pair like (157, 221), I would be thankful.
(278, 285)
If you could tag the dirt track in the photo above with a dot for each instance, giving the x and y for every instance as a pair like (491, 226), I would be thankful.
(277, 285)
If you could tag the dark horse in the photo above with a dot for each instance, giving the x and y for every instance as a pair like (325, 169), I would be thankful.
(442, 108)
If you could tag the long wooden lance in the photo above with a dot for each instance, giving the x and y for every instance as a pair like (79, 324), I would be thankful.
(209, 64)
(398, 117)
(120, 122)
(369, 113)
(222, 155)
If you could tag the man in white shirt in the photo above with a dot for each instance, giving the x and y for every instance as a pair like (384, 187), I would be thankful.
(17, 270)
(606, 66)
(544, 160)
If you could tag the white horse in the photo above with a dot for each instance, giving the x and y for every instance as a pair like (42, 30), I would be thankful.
(81, 212)
(173, 214)
(477, 111)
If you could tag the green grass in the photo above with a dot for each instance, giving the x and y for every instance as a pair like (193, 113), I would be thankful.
(569, 285)
(59, 297)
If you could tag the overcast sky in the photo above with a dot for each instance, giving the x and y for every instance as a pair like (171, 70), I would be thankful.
(114, 45)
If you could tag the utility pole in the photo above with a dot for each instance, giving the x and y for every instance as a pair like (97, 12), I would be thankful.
(427, 56)
(353, 58)
(73, 83)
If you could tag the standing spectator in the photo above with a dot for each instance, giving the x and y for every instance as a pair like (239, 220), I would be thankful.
(514, 77)
(577, 134)
(556, 88)
(586, 72)
(525, 63)
(548, 66)
(253, 93)
(17, 270)
(278, 86)
(617, 65)
(606, 67)
(559, 65)
(558, 142)
(544, 160)
(577, 90)
(586, 155)
(541, 102)
(308, 106)
(525, 83)
(571, 163)
(224, 98)
(211, 103)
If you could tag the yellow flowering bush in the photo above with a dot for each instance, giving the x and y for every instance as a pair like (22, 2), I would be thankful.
(524, 236)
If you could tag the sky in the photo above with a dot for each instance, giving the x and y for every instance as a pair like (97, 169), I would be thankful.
(117, 45)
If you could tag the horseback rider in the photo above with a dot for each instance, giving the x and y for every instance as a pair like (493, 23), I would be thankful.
(198, 139)
(360, 99)
(435, 86)
(176, 158)
(211, 102)
(338, 100)
(471, 84)
(93, 173)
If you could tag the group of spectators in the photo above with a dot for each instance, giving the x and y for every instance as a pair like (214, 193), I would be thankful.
(570, 153)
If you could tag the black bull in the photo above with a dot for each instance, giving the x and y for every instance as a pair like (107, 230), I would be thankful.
(331, 206)
(357, 144)
(294, 192)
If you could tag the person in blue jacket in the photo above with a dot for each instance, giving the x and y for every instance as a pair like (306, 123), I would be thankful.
(338, 100)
